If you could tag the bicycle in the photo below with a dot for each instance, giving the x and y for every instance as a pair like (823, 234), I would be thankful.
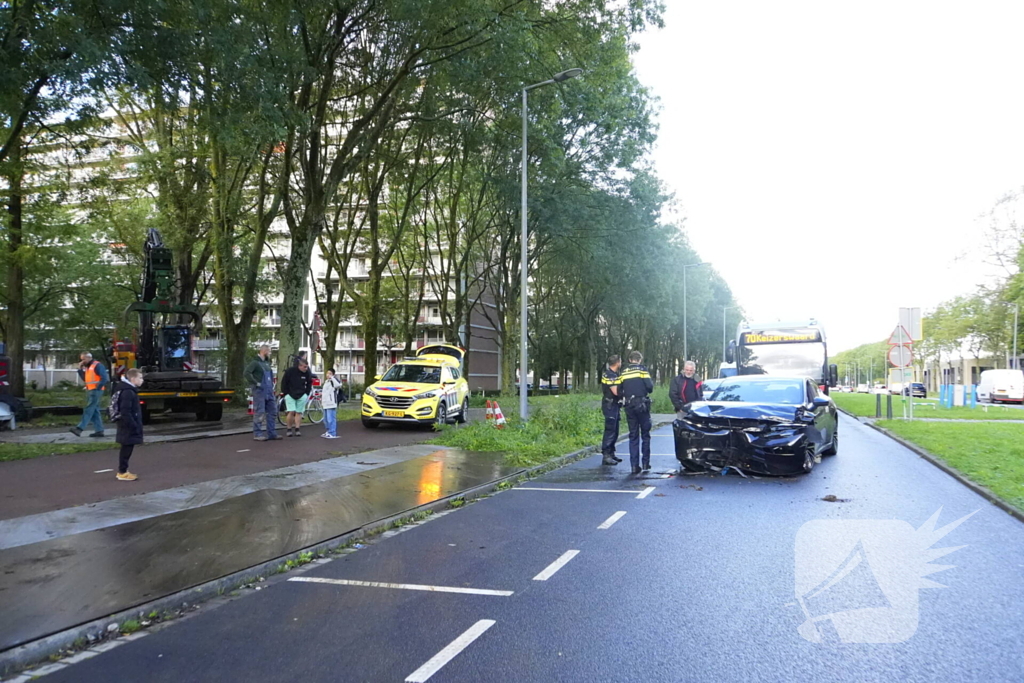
(314, 411)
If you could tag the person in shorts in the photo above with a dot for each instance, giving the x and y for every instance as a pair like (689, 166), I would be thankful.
(296, 386)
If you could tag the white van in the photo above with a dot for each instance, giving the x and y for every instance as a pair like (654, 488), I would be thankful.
(1001, 385)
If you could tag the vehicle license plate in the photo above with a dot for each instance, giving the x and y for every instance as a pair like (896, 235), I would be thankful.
(394, 413)
(187, 394)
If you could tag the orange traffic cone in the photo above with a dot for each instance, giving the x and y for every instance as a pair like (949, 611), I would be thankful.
(490, 411)
(250, 404)
(499, 419)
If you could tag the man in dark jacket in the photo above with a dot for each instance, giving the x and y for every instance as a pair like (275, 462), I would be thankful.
(635, 387)
(685, 387)
(129, 423)
(296, 386)
(260, 377)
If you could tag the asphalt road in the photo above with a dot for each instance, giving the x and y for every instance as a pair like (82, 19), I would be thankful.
(697, 581)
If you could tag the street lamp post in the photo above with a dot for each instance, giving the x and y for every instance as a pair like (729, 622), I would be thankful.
(686, 348)
(1016, 362)
(524, 254)
(724, 343)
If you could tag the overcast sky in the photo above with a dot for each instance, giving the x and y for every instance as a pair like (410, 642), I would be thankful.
(816, 147)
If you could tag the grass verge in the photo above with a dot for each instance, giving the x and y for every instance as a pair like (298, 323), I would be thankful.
(988, 454)
(864, 406)
(27, 451)
(558, 425)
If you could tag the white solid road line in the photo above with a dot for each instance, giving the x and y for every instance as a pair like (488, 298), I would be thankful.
(550, 570)
(540, 488)
(446, 655)
(611, 520)
(646, 492)
(403, 586)
(102, 471)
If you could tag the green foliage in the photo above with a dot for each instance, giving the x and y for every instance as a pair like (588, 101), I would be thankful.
(555, 428)
(130, 626)
(27, 451)
(989, 454)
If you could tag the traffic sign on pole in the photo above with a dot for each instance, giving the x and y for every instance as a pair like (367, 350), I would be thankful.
(900, 356)
(899, 336)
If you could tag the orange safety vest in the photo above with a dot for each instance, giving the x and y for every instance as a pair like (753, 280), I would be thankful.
(92, 378)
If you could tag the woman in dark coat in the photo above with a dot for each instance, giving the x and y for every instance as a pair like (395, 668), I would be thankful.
(129, 425)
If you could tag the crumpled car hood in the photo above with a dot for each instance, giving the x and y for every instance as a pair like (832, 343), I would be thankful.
(734, 410)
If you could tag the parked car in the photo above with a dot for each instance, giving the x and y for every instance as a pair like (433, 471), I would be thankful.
(917, 389)
(759, 423)
(428, 389)
(863, 389)
(1001, 385)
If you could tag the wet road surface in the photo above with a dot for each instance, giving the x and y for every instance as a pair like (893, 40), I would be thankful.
(672, 579)
(53, 585)
(28, 487)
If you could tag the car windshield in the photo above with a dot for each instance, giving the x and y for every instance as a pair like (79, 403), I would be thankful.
(424, 374)
(789, 392)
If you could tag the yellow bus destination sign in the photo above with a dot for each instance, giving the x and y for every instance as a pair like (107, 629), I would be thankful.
(751, 338)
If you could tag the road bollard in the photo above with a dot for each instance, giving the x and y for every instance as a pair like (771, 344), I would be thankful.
(878, 405)
(888, 406)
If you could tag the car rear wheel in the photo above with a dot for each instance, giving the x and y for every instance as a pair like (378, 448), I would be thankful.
(463, 412)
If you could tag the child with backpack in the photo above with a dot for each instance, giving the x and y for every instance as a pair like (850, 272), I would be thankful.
(127, 413)
(329, 400)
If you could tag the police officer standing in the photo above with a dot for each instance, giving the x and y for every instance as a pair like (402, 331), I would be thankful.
(611, 406)
(635, 387)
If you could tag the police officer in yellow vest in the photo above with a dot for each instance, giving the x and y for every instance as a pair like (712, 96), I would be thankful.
(635, 387)
(611, 407)
(96, 378)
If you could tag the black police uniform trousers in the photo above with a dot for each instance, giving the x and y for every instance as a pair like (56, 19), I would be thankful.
(612, 417)
(638, 417)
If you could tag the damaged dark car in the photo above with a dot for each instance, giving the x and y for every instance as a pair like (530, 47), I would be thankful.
(760, 424)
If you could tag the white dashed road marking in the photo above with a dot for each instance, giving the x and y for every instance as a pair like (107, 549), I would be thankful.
(611, 520)
(646, 492)
(102, 471)
(449, 653)
(403, 586)
(550, 570)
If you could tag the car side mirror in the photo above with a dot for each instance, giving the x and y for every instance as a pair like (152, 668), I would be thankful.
(819, 402)
(377, 377)
(730, 352)
(447, 382)
(833, 375)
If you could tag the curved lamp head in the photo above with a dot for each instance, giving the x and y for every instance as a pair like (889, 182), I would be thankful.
(566, 75)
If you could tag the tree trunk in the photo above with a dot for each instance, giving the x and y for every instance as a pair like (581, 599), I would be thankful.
(15, 324)
(293, 286)
(509, 354)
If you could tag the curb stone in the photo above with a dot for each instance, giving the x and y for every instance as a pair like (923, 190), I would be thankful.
(14, 662)
(982, 491)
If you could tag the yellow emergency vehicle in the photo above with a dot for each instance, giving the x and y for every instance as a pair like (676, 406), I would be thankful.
(426, 389)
